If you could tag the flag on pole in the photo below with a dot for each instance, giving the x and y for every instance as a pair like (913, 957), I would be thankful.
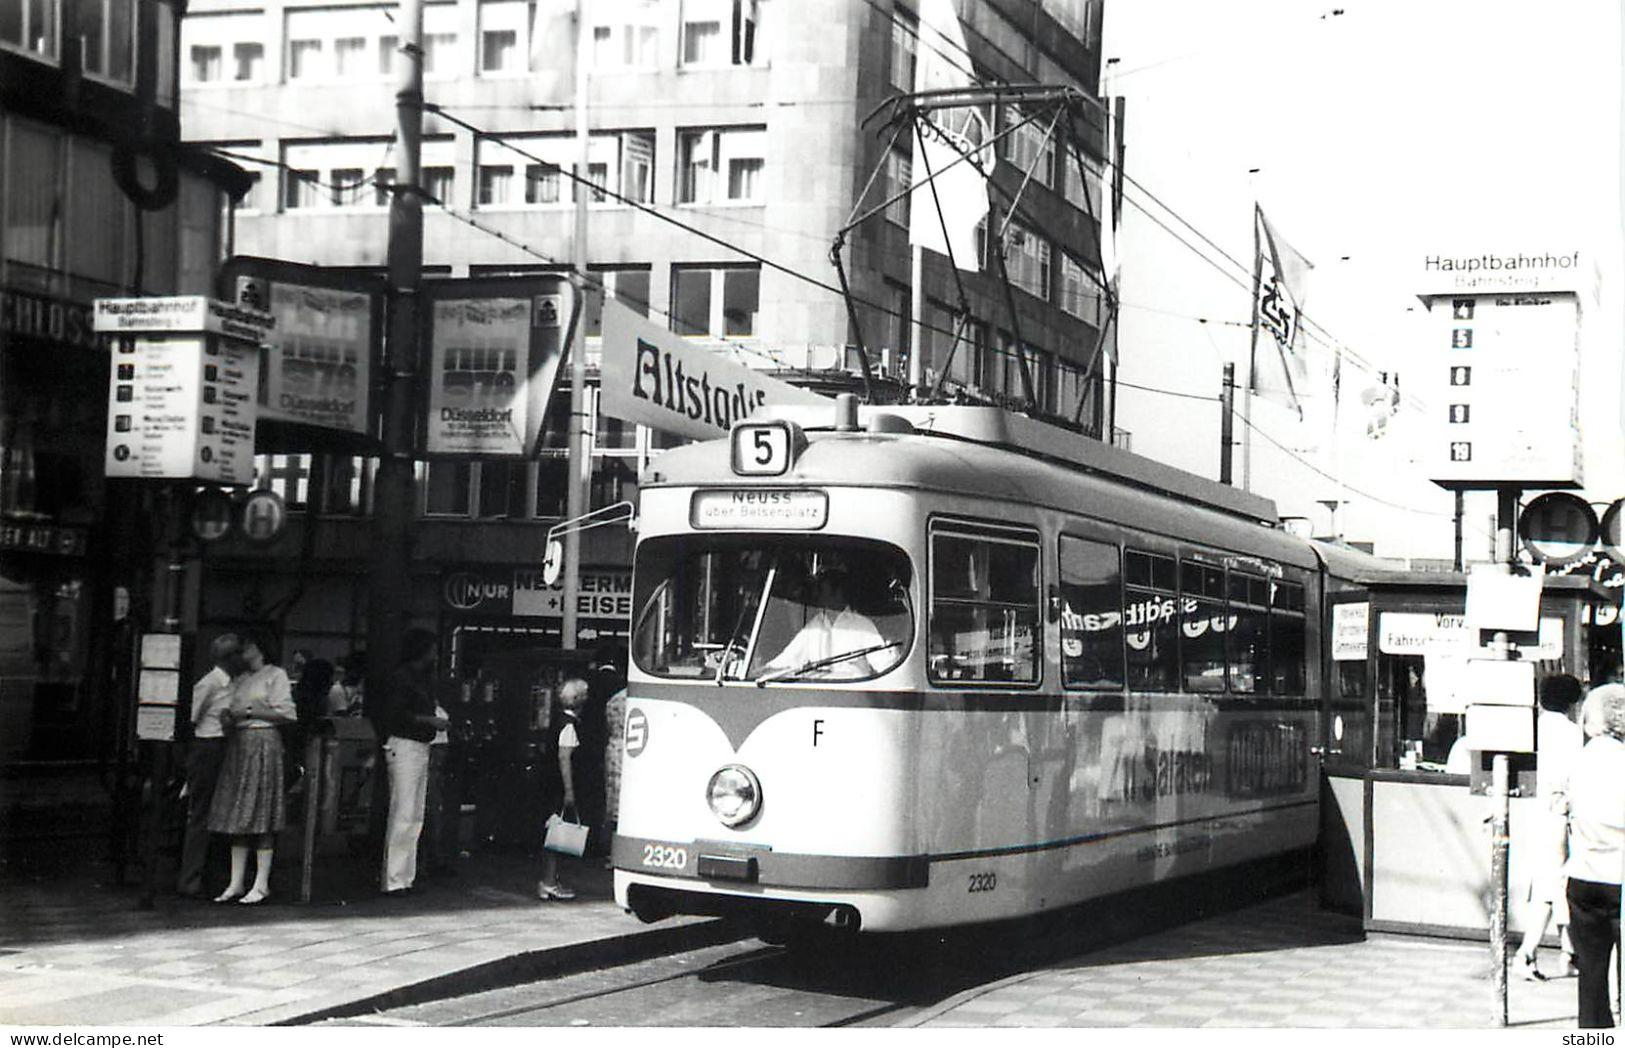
(1280, 373)
(944, 213)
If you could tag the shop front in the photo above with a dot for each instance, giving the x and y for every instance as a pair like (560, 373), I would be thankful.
(501, 635)
(1414, 837)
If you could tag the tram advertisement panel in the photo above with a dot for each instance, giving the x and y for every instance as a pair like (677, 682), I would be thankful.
(661, 379)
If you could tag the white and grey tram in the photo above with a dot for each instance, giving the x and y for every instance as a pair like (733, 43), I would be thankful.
(1079, 672)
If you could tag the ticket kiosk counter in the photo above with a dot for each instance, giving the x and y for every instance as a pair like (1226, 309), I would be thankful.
(1404, 841)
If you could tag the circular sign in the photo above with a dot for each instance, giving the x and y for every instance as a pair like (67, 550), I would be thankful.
(211, 514)
(553, 562)
(1613, 530)
(1558, 528)
(263, 517)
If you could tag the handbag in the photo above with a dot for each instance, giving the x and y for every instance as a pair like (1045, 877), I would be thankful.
(564, 837)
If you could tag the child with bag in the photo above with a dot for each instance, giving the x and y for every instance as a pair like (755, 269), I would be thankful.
(565, 834)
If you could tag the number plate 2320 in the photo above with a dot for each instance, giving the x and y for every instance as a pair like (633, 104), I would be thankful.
(664, 857)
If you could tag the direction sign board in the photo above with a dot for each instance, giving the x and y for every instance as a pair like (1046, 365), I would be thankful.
(182, 406)
(1503, 386)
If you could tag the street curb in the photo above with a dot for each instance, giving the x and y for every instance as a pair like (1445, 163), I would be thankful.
(925, 1015)
(517, 968)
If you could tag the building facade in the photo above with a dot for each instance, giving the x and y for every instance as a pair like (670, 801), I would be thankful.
(727, 149)
(99, 199)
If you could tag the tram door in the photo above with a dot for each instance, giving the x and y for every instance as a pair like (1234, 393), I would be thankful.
(1347, 708)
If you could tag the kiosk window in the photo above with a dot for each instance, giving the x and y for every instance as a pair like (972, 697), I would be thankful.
(1247, 639)
(984, 608)
(1150, 620)
(1091, 614)
(1287, 646)
(1202, 625)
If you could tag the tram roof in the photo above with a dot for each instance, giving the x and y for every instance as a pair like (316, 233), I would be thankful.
(986, 452)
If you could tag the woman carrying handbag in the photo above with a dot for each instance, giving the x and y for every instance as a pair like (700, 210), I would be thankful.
(248, 802)
(572, 693)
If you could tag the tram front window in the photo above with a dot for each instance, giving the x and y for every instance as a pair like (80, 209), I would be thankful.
(730, 608)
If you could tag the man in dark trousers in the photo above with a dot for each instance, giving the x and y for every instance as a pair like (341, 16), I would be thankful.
(211, 696)
(604, 679)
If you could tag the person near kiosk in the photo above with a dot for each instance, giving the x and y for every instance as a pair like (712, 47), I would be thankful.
(411, 721)
(1596, 851)
(211, 697)
(1557, 749)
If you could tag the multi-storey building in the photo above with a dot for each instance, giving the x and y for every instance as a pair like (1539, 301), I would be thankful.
(738, 118)
(97, 198)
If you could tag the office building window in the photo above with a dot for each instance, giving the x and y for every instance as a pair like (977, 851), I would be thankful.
(1030, 146)
(302, 188)
(305, 60)
(438, 55)
(627, 35)
(899, 176)
(1080, 295)
(105, 33)
(505, 36)
(1028, 259)
(905, 32)
(207, 64)
(439, 183)
(247, 59)
(542, 184)
(715, 301)
(382, 182)
(348, 185)
(721, 32)
(30, 26)
(638, 166)
(350, 57)
(446, 488)
(736, 153)
(496, 183)
(387, 46)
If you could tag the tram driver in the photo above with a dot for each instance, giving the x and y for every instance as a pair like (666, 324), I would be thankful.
(835, 628)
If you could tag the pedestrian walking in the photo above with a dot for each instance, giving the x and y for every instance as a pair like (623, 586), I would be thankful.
(572, 696)
(1596, 850)
(411, 723)
(1558, 741)
(248, 802)
(211, 697)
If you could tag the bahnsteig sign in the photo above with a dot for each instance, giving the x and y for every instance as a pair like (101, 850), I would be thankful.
(661, 379)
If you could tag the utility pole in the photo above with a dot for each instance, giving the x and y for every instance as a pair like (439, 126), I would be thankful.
(1227, 423)
(390, 586)
(580, 471)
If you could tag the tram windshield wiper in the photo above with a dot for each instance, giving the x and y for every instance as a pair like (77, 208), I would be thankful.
(786, 672)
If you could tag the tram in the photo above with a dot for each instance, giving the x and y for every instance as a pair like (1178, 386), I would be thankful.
(1049, 671)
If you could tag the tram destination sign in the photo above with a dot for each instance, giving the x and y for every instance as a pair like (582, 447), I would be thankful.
(769, 509)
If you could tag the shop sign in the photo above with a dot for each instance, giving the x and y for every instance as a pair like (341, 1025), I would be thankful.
(495, 347)
(661, 379)
(603, 593)
(49, 319)
(43, 538)
(1443, 633)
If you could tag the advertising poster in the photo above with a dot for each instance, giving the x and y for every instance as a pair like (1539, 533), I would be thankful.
(318, 365)
(494, 351)
(317, 368)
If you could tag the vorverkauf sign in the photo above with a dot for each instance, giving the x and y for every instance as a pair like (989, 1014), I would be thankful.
(661, 379)
(495, 347)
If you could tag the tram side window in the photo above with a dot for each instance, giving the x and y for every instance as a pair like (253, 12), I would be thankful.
(1247, 639)
(1091, 614)
(1202, 625)
(1151, 621)
(984, 608)
(1287, 644)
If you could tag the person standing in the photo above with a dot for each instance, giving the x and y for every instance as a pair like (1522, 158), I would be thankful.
(1557, 749)
(437, 851)
(211, 697)
(411, 723)
(572, 696)
(248, 802)
(1596, 850)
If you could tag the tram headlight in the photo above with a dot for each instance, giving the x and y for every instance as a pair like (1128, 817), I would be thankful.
(734, 794)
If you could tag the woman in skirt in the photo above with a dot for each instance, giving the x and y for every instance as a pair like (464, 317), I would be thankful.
(248, 803)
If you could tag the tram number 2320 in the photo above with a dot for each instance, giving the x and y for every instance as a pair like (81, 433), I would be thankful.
(984, 882)
(661, 857)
